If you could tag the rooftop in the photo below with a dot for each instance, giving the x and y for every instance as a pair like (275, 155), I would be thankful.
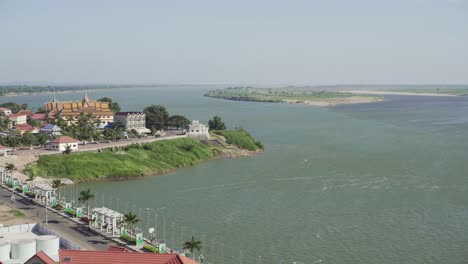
(119, 257)
(64, 139)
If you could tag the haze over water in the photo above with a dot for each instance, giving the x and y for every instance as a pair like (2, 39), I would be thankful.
(370, 183)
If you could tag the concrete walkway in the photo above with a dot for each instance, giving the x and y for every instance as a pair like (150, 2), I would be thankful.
(72, 230)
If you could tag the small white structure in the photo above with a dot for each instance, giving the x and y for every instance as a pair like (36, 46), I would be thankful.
(16, 119)
(132, 120)
(198, 130)
(5, 111)
(23, 248)
(5, 250)
(62, 142)
(105, 217)
(48, 244)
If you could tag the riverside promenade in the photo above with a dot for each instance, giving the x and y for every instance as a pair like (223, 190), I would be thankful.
(64, 226)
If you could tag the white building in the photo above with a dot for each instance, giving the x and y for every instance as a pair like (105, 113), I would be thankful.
(5, 111)
(132, 120)
(62, 142)
(198, 130)
(16, 119)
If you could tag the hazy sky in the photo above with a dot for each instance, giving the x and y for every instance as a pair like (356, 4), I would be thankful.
(235, 42)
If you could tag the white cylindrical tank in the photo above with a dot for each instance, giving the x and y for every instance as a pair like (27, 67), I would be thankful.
(23, 248)
(4, 251)
(49, 244)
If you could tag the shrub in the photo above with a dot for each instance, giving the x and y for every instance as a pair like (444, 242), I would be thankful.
(151, 248)
(30, 194)
(128, 238)
(19, 189)
(58, 207)
(240, 138)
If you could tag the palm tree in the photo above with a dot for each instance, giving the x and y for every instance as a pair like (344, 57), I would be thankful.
(85, 196)
(192, 245)
(56, 184)
(131, 219)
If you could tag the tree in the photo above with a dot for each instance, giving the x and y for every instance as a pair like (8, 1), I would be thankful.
(85, 197)
(114, 106)
(28, 139)
(156, 116)
(216, 124)
(130, 219)
(178, 121)
(14, 107)
(56, 184)
(67, 150)
(41, 138)
(10, 166)
(192, 245)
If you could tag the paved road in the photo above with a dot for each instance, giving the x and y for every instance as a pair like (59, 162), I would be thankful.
(80, 234)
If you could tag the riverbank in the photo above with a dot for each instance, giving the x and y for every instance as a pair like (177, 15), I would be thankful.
(373, 92)
(136, 160)
(292, 95)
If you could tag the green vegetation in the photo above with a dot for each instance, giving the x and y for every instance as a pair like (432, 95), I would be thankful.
(128, 238)
(288, 94)
(114, 106)
(14, 107)
(241, 139)
(193, 245)
(17, 213)
(157, 118)
(120, 163)
(19, 89)
(151, 248)
(85, 197)
(216, 124)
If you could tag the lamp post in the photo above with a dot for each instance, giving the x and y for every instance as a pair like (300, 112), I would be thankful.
(13, 199)
(155, 211)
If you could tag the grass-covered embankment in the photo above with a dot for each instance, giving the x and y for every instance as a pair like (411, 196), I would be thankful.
(127, 162)
(241, 139)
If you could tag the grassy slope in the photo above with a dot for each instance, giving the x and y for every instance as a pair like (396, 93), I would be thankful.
(241, 138)
(133, 161)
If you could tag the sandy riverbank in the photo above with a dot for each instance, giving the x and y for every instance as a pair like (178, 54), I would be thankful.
(338, 101)
(373, 92)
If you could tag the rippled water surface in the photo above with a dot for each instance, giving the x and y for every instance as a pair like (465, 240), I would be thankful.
(370, 183)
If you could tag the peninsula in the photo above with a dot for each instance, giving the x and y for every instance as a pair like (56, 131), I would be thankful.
(144, 159)
(296, 95)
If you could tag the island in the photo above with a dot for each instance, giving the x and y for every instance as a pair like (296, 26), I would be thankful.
(296, 95)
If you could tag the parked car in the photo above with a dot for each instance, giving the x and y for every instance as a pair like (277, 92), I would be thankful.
(95, 142)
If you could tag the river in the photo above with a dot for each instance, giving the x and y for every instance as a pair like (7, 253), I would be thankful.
(369, 183)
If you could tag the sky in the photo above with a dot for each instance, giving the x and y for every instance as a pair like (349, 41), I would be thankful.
(252, 42)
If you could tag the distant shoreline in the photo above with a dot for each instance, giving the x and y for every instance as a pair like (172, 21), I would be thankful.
(57, 92)
(374, 92)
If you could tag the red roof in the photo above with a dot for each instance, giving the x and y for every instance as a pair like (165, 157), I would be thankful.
(64, 139)
(25, 112)
(42, 256)
(3, 147)
(117, 248)
(4, 109)
(38, 117)
(116, 257)
(25, 127)
(15, 115)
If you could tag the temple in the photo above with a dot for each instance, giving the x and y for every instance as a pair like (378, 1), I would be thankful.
(71, 110)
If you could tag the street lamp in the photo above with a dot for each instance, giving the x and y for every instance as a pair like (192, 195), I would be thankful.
(13, 199)
(155, 217)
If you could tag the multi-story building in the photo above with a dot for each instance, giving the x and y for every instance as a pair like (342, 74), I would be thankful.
(198, 130)
(132, 120)
(71, 110)
(16, 119)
